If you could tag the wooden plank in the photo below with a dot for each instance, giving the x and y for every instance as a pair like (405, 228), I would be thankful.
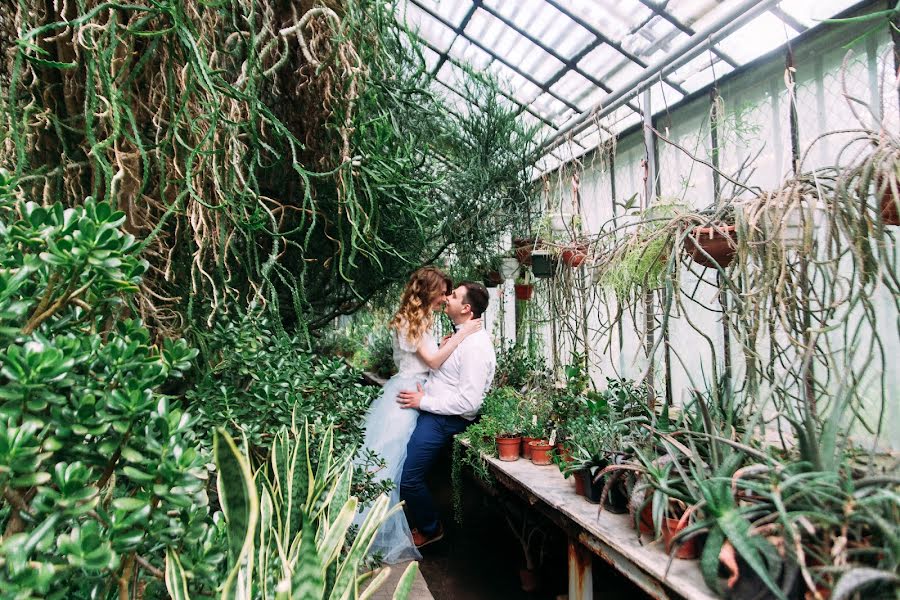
(609, 536)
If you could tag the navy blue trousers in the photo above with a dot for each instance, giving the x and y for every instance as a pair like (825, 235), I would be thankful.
(432, 432)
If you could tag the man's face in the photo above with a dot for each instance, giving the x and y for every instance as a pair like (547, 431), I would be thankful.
(455, 303)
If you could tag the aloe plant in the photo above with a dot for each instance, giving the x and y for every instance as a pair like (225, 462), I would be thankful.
(287, 525)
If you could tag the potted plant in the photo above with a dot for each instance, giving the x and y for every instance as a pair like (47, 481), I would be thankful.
(574, 254)
(509, 266)
(524, 286)
(501, 410)
(713, 243)
(540, 452)
(535, 411)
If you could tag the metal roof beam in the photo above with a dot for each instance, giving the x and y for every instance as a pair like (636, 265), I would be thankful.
(684, 28)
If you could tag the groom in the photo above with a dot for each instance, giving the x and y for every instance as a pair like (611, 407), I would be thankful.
(450, 400)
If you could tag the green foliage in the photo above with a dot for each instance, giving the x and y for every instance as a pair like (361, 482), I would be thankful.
(97, 467)
(288, 525)
(521, 367)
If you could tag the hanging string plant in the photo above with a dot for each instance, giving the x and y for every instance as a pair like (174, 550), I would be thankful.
(267, 155)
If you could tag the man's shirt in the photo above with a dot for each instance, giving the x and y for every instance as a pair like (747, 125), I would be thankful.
(458, 387)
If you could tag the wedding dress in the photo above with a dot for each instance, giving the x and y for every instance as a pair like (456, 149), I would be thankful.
(387, 431)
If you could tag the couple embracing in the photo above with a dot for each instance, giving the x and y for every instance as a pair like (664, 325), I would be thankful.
(435, 394)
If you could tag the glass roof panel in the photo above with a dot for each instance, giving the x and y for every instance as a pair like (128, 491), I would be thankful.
(521, 88)
(542, 21)
(428, 28)
(453, 12)
(761, 35)
(574, 88)
(512, 46)
(811, 12)
(615, 20)
(465, 51)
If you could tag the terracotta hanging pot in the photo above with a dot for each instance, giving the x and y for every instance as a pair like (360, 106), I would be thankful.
(574, 255)
(540, 452)
(508, 448)
(524, 291)
(720, 243)
(889, 213)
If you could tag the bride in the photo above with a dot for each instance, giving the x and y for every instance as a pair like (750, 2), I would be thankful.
(388, 427)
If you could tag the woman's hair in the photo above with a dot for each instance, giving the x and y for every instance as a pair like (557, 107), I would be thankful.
(414, 314)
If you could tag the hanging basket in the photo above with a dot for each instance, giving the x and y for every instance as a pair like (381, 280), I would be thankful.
(492, 279)
(523, 248)
(542, 265)
(719, 243)
(524, 291)
(574, 255)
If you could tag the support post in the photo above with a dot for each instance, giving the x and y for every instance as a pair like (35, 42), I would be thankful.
(581, 576)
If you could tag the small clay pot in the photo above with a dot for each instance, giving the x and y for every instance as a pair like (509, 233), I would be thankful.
(720, 248)
(524, 291)
(540, 452)
(526, 447)
(508, 448)
(687, 549)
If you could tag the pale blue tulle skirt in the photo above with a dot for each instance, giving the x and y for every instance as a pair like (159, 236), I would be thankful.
(387, 431)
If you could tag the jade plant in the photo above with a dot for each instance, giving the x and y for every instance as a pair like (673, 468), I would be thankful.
(99, 470)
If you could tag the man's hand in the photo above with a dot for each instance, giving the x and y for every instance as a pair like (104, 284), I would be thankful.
(445, 338)
(408, 399)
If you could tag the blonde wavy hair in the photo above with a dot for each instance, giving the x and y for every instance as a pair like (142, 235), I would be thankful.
(414, 314)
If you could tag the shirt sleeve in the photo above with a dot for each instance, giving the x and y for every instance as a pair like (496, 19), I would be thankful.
(467, 397)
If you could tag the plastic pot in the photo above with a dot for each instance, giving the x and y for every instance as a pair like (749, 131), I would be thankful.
(542, 265)
(719, 243)
(492, 279)
(540, 452)
(524, 291)
(508, 448)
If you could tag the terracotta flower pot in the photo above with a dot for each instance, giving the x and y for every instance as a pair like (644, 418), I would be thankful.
(579, 482)
(528, 580)
(564, 453)
(524, 291)
(720, 248)
(508, 448)
(540, 452)
(526, 446)
(687, 549)
(645, 525)
(574, 255)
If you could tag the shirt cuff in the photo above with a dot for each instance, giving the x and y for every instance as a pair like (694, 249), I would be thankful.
(425, 403)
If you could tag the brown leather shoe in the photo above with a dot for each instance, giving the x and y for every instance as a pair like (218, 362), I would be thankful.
(420, 539)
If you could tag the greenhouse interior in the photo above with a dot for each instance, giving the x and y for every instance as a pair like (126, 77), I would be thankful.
(449, 299)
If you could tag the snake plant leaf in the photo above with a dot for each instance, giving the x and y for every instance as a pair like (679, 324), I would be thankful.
(375, 584)
(345, 583)
(337, 532)
(240, 504)
(404, 586)
(308, 581)
(176, 579)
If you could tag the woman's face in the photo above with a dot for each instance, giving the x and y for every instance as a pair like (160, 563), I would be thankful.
(437, 303)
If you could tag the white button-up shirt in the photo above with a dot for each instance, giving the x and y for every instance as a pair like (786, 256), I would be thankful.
(458, 387)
